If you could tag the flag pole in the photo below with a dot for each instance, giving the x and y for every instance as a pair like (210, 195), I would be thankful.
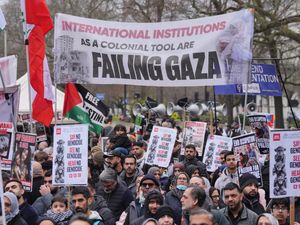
(26, 43)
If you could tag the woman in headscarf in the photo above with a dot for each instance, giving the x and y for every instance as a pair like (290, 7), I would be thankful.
(173, 197)
(12, 215)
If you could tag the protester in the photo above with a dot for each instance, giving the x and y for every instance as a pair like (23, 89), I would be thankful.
(249, 186)
(116, 194)
(200, 217)
(80, 204)
(59, 211)
(153, 201)
(120, 141)
(215, 195)
(173, 197)
(80, 219)
(11, 208)
(266, 219)
(113, 159)
(229, 174)
(37, 182)
(165, 215)
(137, 149)
(29, 213)
(130, 173)
(235, 211)
(46, 221)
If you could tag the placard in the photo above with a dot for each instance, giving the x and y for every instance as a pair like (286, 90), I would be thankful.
(7, 137)
(70, 155)
(160, 146)
(284, 163)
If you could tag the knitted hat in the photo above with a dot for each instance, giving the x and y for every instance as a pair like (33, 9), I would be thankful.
(246, 179)
(150, 177)
(108, 174)
(163, 211)
(154, 194)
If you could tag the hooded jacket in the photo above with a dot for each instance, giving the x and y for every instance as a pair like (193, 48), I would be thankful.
(226, 178)
(14, 217)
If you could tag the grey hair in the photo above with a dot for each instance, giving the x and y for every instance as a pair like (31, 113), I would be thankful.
(199, 212)
(270, 217)
(150, 220)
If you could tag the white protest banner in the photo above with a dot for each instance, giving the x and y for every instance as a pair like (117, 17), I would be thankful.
(284, 163)
(213, 50)
(70, 155)
(8, 67)
(21, 167)
(9, 103)
(259, 125)
(194, 133)
(7, 137)
(160, 146)
(214, 146)
(246, 152)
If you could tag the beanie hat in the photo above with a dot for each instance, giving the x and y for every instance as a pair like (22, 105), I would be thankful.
(246, 179)
(163, 211)
(108, 174)
(154, 194)
(150, 177)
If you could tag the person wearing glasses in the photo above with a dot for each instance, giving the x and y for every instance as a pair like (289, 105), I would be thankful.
(137, 207)
(281, 211)
(173, 197)
(47, 191)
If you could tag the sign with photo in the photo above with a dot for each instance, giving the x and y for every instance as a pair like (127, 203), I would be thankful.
(247, 154)
(21, 168)
(70, 155)
(214, 146)
(6, 144)
(284, 163)
(194, 133)
(160, 146)
(40, 132)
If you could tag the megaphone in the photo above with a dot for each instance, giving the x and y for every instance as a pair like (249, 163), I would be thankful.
(203, 108)
(171, 108)
(160, 109)
(138, 109)
(251, 107)
(194, 109)
(222, 109)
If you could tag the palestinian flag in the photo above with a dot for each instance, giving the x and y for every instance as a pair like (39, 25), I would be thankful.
(82, 106)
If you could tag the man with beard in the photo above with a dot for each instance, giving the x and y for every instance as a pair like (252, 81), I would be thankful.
(48, 191)
(190, 158)
(249, 186)
(235, 211)
(138, 150)
(28, 213)
(116, 194)
(130, 173)
(113, 159)
(81, 199)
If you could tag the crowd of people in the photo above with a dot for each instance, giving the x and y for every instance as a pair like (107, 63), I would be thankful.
(124, 190)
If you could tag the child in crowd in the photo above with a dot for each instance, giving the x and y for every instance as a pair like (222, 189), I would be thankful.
(59, 211)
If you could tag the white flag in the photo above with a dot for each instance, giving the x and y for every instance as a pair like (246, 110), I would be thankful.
(2, 20)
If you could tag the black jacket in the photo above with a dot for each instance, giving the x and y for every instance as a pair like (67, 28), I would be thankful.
(17, 220)
(101, 207)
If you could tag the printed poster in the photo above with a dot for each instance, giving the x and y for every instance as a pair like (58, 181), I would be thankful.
(160, 146)
(213, 50)
(2, 208)
(284, 163)
(247, 155)
(214, 146)
(194, 133)
(40, 132)
(7, 137)
(21, 168)
(259, 125)
(70, 155)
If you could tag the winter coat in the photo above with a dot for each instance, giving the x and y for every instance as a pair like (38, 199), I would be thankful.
(101, 207)
(132, 186)
(17, 220)
(226, 178)
(253, 204)
(37, 182)
(247, 217)
(29, 214)
(173, 200)
(118, 200)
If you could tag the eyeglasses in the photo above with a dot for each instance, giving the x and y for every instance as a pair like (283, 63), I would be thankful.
(150, 185)
(282, 208)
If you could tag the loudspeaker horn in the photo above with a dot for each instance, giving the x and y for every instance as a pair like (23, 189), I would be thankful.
(138, 109)
(222, 109)
(194, 109)
(203, 108)
(251, 107)
(160, 109)
(171, 108)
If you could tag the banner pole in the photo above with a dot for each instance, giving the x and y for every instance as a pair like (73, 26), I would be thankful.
(246, 99)
(215, 108)
(286, 94)
(55, 104)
